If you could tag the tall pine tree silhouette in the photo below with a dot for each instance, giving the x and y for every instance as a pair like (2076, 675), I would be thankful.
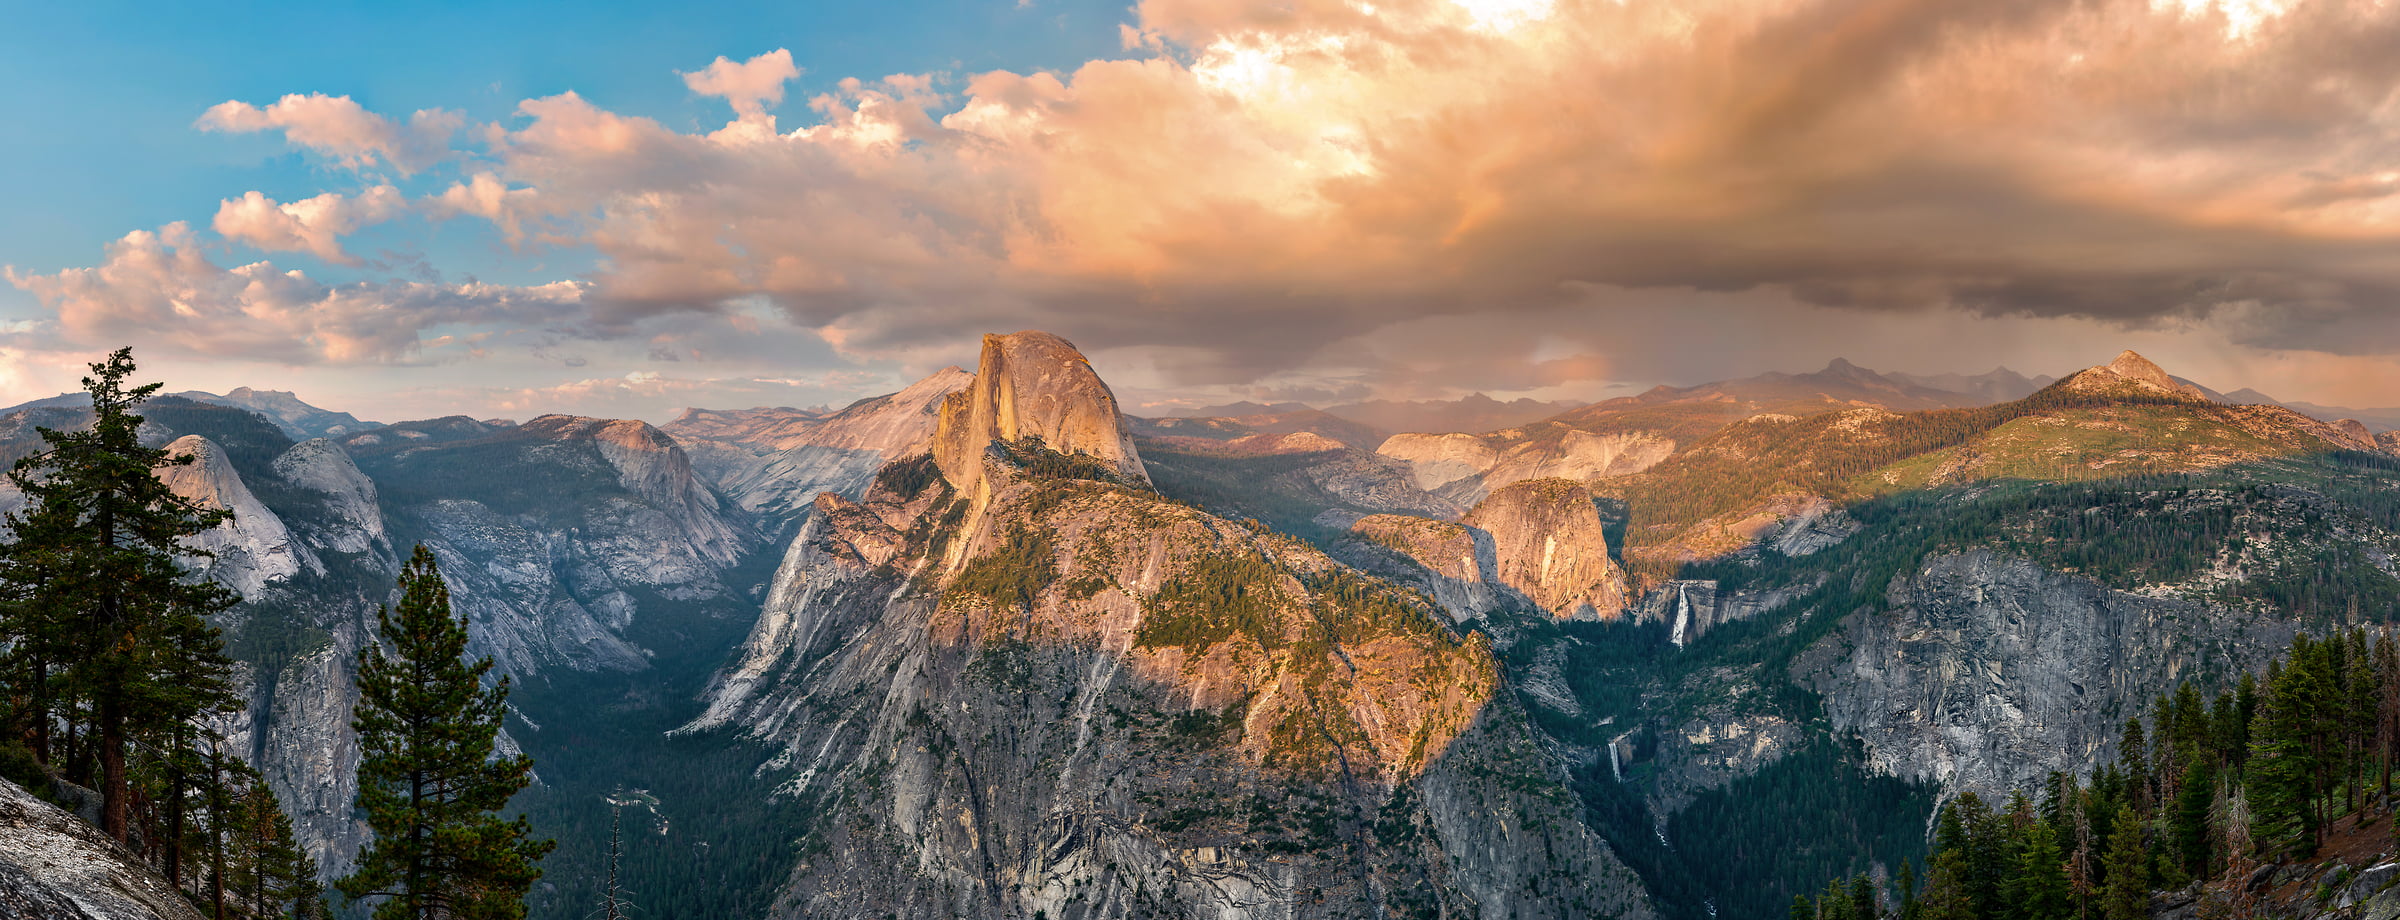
(428, 775)
(97, 608)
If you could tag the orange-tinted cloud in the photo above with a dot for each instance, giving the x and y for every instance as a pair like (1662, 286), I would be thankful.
(1259, 181)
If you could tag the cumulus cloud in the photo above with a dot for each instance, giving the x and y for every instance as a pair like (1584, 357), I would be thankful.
(752, 86)
(160, 291)
(487, 197)
(1263, 179)
(338, 127)
(311, 225)
(1261, 189)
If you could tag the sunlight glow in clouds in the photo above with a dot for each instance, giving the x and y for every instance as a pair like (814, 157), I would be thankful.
(2242, 17)
(1259, 186)
(1503, 15)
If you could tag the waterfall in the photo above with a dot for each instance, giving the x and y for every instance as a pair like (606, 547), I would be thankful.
(1614, 768)
(1683, 615)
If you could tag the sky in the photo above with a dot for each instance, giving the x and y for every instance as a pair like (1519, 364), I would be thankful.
(505, 209)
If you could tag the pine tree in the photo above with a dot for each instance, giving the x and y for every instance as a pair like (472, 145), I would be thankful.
(1865, 903)
(2189, 825)
(1945, 896)
(429, 778)
(2127, 896)
(2387, 708)
(1908, 890)
(2362, 697)
(100, 614)
(1834, 902)
(266, 867)
(2133, 760)
(2037, 890)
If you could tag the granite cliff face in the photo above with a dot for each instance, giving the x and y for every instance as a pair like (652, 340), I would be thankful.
(1986, 673)
(253, 548)
(1466, 467)
(654, 469)
(1452, 563)
(1030, 385)
(1549, 544)
(320, 466)
(557, 534)
(1020, 683)
(54, 866)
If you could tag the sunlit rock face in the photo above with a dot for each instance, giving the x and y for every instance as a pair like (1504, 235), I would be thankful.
(1031, 385)
(1468, 467)
(1021, 683)
(1452, 563)
(1548, 541)
(54, 866)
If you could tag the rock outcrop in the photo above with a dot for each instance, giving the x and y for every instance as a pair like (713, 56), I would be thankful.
(2131, 372)
(53, 866)
(1023, 684)
(320, 466)
(1549, 544)
(1990, 672)
(254, 548)
(1452, 563)
(1031, 385)
(653, 466)
(1466, 467)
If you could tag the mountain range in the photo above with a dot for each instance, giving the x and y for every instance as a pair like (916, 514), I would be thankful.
(988, 647)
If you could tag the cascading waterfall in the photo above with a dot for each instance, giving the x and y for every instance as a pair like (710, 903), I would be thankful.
(1683, 615)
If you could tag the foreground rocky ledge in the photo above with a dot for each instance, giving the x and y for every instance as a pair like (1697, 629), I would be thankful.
(53, 866)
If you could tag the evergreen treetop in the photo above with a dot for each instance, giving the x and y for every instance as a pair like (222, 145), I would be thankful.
(431, 780)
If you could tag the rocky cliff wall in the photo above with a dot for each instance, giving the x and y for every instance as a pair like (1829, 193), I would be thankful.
(1988, 672)
(1550, 545)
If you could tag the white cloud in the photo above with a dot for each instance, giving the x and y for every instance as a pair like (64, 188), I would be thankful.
(1260, 180)
(311, 225)
(158, 290)
(487, 197)
(339, 127)
(752, 86)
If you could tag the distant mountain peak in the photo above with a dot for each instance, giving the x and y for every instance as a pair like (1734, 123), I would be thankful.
(2130, 363)
(2129, 367)
(287, 410)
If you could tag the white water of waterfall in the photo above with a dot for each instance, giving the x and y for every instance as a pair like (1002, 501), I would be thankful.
(1683, 615)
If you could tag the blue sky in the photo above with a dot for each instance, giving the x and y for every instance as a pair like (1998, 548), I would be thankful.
(106, 93)
(106, 96)
(1217, 199)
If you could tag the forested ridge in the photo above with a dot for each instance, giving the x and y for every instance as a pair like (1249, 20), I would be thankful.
(2203, 790)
